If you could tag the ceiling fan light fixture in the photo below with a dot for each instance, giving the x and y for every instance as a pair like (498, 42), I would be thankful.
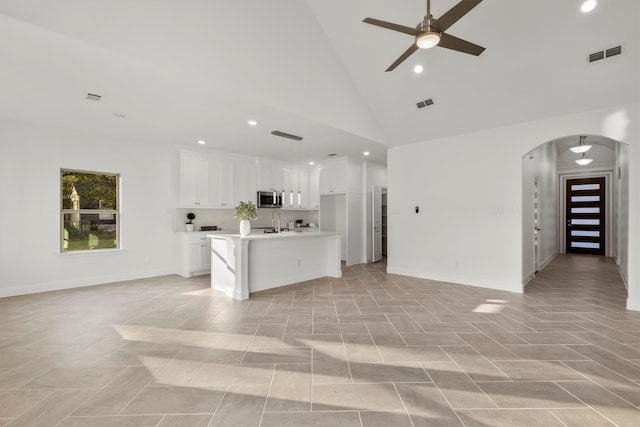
(428, 39)
(588, 6)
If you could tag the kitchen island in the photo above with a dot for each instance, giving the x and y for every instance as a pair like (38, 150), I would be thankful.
(241, 265)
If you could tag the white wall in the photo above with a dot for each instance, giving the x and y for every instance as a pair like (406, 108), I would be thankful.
(469, 188)
(373, 174)
(541, 163)
(622, 210)
(30, 161)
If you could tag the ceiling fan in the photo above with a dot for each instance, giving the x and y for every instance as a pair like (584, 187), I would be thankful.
(431, 32)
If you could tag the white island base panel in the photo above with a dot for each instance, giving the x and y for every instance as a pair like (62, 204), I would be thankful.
(241, 265)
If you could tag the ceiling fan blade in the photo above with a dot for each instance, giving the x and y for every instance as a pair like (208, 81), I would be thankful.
(454, 43)
(391, 26)
(407, 53)
(454, 14)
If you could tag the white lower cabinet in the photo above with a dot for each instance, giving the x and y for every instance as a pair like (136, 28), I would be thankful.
(195, 254)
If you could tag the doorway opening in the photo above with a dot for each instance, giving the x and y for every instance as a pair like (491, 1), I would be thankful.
(575, 209)
(379, 223)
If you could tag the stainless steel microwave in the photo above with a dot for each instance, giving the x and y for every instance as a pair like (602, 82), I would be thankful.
(269, 199)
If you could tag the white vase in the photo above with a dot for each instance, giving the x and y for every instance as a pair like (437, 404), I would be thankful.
(190, 227)
(245, 227)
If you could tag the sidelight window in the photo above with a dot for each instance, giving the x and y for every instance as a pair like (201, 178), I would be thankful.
(89, 215)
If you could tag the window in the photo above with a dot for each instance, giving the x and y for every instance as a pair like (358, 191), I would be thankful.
(89, 216)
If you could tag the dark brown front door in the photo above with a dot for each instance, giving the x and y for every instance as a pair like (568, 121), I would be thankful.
(585, 227)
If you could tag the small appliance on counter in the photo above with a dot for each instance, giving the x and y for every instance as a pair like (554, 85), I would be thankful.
(209, 228)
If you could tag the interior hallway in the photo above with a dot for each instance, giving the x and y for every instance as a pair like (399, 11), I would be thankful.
(370, 349)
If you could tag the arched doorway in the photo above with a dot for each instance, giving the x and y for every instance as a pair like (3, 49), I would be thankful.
(551, 223)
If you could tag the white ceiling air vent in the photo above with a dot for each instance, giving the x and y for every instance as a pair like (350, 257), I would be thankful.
(93, 97)
(607, 53)
(425, 103)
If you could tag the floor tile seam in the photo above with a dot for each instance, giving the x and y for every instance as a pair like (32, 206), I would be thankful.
(605, 337)
(266, 398)
(470, 379)
(589, 406)
(406, 410)
(32, 406)
(346, 356)
(494, 341)
(451, 406)
(321, 411)
(556, 417)
(603, 349)
(374, 344)
(412, 381)
(605, 367)
(79, 405)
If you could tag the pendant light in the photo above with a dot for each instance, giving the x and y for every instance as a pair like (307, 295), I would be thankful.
(581, 147)
(291, 179)
(299, 193)
(584, 160)
(284, 168)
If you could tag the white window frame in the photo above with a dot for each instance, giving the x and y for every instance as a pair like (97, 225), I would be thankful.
(115, 213)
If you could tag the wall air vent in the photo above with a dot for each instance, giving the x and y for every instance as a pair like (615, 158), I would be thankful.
(613, 51)
(286, 135)
(597, 56)
(607, 53)
(93, 97)
(425, 103)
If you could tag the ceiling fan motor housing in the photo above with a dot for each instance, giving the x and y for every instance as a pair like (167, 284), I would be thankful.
(428, 36)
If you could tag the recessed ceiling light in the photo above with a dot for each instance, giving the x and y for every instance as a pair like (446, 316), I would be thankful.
(588, 6)
(418, 69)
(366, 153)
(252, 122)
(202, 142)
(312, 163)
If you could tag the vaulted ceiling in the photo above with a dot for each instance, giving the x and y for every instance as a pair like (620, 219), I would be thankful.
(181, 71)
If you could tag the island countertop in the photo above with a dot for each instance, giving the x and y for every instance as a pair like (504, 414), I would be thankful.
(281, 235)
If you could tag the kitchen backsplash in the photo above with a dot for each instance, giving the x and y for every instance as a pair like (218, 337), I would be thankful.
(224, 219)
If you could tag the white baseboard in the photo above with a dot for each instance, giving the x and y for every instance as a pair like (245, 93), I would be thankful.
(624, 279)
(454, 280)
(60, 285)
(548, 261)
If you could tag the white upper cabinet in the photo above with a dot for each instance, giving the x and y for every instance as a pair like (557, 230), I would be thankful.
(339, 176)
(244, 183)
(221, 180)
(214, 180)
(221, 183)
(194, 181)
(270, 175)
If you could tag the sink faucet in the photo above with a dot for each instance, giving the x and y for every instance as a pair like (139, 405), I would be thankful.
(276, 211)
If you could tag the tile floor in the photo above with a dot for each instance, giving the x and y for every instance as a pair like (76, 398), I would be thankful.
(370, 349)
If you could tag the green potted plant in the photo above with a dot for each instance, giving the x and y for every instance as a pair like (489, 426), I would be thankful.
(190, 225)
(245, 212)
